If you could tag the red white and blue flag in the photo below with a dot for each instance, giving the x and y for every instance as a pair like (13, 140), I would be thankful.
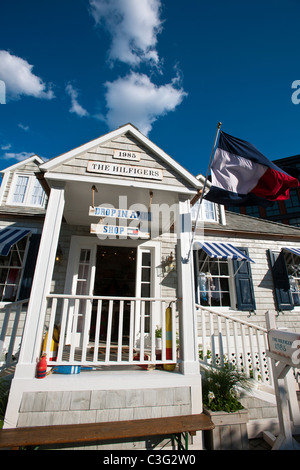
(242, 176)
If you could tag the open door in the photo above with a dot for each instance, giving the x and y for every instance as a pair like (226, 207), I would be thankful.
(115, 276)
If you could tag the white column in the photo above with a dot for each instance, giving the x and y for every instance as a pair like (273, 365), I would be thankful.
(187, 317)
(33, 331)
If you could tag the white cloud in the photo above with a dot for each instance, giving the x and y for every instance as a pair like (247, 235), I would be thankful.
(136, 99)
(22, 126)
(76, 107)
(133, 25)
(6, 147)
(17, 156)
(19, 79)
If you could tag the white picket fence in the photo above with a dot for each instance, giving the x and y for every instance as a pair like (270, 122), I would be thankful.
(124, 334)
(122, 331)
(224, 339)
(12, 319)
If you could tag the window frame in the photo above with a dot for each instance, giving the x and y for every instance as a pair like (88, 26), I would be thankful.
(230, 276)
(289, 267)
(29, 191)
(203, 212)
(19, 268)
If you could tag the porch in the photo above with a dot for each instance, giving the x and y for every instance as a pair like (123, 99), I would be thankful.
(93, 331)
(113, 331)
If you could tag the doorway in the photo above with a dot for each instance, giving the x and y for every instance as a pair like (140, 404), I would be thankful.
(115, 276)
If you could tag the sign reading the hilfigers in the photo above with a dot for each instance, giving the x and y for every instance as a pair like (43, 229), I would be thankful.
(117, 169)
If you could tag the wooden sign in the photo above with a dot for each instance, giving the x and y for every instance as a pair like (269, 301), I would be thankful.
(284, 343)
(117, 230)
(123, 155)
(116, 169)
(127, 214)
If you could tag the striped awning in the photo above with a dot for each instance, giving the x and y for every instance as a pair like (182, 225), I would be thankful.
(296, 251)
(222, 251)
(9, 236)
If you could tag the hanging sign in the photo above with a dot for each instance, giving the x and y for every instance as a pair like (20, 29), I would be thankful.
(118, 213)
(132, 232)
(123, 155)
(117, 169)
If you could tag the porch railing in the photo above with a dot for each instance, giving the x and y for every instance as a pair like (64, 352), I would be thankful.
(12, 319)
(96, 331)
(225, 339)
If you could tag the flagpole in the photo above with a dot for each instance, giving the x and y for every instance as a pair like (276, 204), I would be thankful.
(204, 185)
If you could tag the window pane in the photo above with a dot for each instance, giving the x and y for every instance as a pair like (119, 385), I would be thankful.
(20, 189)
(146, 274)
(224, 268)
(38, 194)
(145, 290)
(146, 259)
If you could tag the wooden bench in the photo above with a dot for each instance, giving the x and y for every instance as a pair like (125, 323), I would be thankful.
(178, 427)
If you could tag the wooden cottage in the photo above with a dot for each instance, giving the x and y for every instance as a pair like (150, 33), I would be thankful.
(99, 257)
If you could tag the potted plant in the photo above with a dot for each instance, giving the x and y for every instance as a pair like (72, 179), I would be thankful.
(158, 338)
(220, 394)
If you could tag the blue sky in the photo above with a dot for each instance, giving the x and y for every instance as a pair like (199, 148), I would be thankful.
(76, 69)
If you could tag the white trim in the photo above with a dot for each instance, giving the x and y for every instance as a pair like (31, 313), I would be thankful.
(84, 242)
(32, 179)
(4, 185)
(117, 182)
(54, 163)
(22, 163)
(79, 242)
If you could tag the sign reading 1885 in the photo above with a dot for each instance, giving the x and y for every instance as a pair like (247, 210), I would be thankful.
(124, 155)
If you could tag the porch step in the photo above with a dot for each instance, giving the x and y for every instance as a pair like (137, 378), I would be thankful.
(262, 409)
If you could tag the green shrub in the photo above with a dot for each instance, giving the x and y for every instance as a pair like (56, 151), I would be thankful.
(220, 388)
(4, 392)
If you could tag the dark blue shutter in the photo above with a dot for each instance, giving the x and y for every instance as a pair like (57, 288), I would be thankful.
(29, 266)
(244, 284)
(283, 294)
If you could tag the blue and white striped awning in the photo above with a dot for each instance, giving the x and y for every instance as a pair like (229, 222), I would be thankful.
(222, 251)
(9, 236)
(296, 251)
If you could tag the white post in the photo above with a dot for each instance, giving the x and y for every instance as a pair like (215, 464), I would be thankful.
(187, 318)
(33, 330)
(280, 368)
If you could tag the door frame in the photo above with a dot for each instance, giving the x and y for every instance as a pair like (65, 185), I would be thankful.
(85, 242)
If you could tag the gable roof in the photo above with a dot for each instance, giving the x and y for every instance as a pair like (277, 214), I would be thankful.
(253, 227)
(33, 158)
(127, 128)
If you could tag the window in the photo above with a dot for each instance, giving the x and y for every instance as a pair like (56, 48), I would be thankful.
(27, 190)
(146, 285)
(38, 194)
(224, 282)
(83, 272)
(11, 269)
(293, 271)
(213, 281)
(208, 211)
(285, 267)
(20, 190)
